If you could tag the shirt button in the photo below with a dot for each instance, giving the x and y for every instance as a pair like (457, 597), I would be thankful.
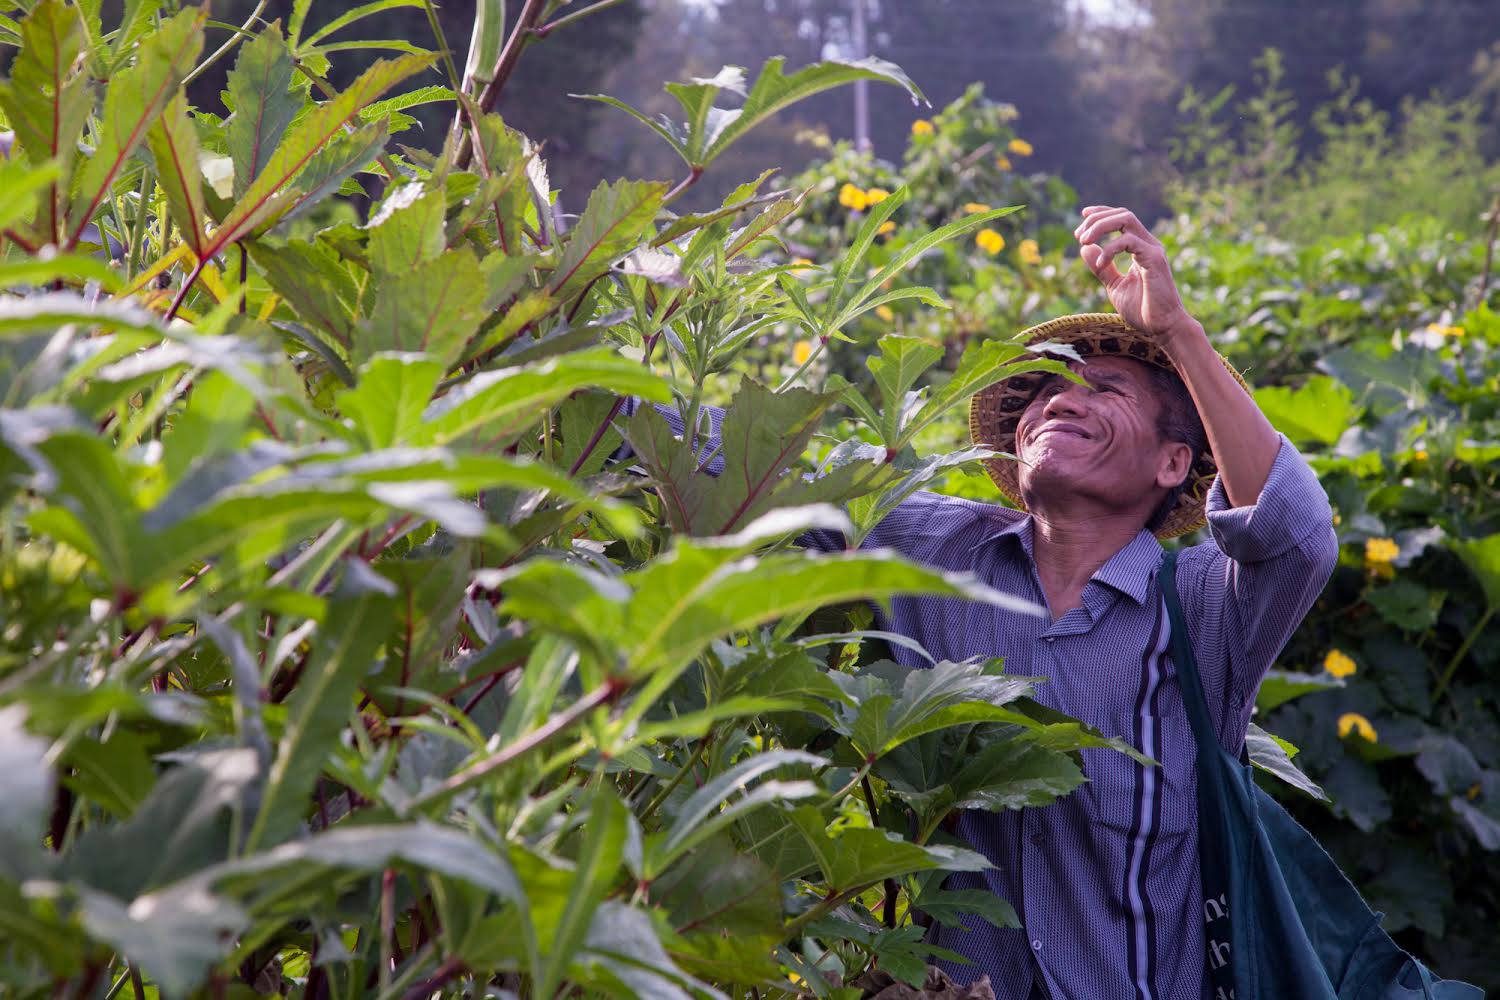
(1038, 839)
(1036, 944)
(1051, 638)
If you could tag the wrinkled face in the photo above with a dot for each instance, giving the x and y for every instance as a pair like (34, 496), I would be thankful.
(1099, 439)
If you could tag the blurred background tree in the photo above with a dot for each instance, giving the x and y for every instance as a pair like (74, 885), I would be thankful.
(1098, 85)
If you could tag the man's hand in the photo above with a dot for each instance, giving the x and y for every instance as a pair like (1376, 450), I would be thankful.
(1145, 296)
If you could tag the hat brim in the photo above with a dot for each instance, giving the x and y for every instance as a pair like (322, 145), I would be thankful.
(995, 410)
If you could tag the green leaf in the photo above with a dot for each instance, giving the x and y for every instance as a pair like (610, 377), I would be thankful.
(611, 225)
(115, 773)
(983, 365)
(47, 99)
(624, 956)
(279, 187)
(710, 809)
(326, 173)
(1317, 412)
(598, 868)
(315, 281)
(174, 146)
(182, 827)
(496, 405)
(902, 360)
(407, 230)
(762, 434)
(351, 16)
(260, 92)
(948, 907)
(1482, 557)
(26, 787)
(1407, 604)
(861, 857)
(433, 308)
(1273, 755)
(135, 98)
(20, 183)
(714, 889)
(1281, 686)
(710, 130)
(897, 703)
(174, 943)
(393, 391)
(320, 704)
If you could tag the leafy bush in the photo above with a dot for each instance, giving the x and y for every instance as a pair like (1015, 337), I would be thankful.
(338, 658)
(1365, 171)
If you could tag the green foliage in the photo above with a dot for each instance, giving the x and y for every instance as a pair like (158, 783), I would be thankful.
(339, 656)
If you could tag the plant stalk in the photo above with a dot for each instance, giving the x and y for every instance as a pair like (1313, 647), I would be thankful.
(1463, 650)
(505, 65)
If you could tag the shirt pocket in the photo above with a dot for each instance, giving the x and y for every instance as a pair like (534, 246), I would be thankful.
(1153, 802)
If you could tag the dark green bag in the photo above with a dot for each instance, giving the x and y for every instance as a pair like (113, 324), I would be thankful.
(1282, 921)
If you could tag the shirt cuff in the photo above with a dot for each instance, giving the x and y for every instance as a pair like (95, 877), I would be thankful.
(1291, 506)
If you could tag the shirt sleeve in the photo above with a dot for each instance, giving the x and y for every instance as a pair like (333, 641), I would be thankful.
(1246, 591)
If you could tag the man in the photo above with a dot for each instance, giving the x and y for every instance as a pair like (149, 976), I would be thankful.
(1106, 881)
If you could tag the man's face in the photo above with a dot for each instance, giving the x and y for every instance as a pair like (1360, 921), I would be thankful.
(1099, 438)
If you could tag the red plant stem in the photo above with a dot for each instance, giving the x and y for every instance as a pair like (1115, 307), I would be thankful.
(598, 436)
(448, 971)
(244, 299)
(604, 694)
(15, 238)
(614, 411)
(387, 919)
(265, 417)
(489, 684)
(187, 284)
(683, 185)
(504, 65)
(497, 673)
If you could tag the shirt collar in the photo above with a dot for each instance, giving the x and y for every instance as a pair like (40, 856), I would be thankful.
(1130, 570)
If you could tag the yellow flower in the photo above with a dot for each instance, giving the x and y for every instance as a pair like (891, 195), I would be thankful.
(1019, 146)
(1381, 551)
(802, 264)
(1337, 520)
(1338, 664)
(975, 207)
(885, 313)
(1002, 162)
(1445, 331)
(1356, 723)
(1420, 455)
(875, 196)
(801, 351)
(1029, 252)
(921, 127)
(990, 241)
(853, 198)
(886, 228)
(1473, 792)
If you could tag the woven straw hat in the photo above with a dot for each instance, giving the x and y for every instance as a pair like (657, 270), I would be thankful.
(995, 411)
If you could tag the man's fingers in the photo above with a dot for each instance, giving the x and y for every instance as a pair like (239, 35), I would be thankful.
(1101, 263)
(1100, 220)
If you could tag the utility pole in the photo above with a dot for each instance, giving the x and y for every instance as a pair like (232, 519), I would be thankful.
(861, 87)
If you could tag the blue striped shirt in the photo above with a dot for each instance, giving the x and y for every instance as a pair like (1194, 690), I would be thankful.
(1106, 880)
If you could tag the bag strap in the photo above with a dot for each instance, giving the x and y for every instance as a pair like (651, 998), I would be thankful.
(1188, 680)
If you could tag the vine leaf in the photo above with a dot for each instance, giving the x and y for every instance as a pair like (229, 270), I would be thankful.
(609, 228)
(280, 185)
(260, 91)
(47, 99)
(709, 129)
(135, 98)
(320, 704)
(174, 146)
